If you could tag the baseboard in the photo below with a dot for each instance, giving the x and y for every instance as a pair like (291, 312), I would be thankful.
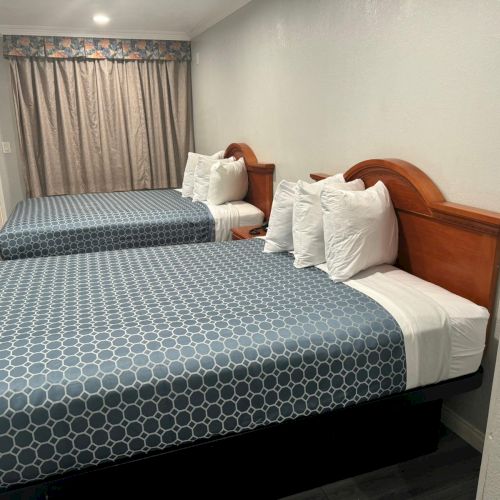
(462, 428)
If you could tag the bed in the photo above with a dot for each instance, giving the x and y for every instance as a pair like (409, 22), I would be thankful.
(127, 368)
(62, 225)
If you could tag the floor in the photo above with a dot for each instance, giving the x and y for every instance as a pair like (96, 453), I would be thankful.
(451, 473)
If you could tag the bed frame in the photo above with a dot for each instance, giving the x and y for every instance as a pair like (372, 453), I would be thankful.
(260, 177)
(451, 245)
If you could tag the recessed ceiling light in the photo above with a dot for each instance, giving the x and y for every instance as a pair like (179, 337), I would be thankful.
(101, 19)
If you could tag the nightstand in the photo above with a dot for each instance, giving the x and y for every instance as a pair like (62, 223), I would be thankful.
(243, 232)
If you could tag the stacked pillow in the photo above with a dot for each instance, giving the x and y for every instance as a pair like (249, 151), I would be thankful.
(228, 182)
(279, 237)
(361, 230)
(308, 237)
(335, 221)
(192, 161)
(215, 179)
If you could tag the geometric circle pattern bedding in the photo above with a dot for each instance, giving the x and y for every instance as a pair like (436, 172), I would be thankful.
(63, 225)
(106, 355)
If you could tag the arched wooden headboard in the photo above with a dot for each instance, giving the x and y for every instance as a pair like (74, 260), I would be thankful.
(454, 246)
(260, 177)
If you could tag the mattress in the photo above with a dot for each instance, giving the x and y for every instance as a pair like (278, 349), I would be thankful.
(62, 225)
(448, 345)
(453, 350)
(468, 322)
(233, 214)
(107, 355)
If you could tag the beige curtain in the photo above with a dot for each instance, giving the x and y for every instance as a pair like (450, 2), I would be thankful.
(3, 216)
(98, 125)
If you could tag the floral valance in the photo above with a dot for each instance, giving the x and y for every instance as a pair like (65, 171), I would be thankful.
(64, 47)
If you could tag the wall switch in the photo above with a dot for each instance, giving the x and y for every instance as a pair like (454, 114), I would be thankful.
(197, 58)
(6, 148)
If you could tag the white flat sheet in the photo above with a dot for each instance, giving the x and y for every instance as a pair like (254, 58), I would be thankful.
(233, 214)
(444, 334)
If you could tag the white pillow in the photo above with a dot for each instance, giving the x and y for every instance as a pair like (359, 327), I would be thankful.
(279, 233)
(188, 180)
(361, 230)
(308, 237)
(228, 182)
(339, 178)
(202, 175)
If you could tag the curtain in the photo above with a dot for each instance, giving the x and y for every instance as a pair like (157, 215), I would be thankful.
(3, 216)
(100, 125)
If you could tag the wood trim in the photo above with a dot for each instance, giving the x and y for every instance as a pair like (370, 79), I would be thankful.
(476, 218)
(454, 246)
(260, 177)
(318, 176)
(463, 428)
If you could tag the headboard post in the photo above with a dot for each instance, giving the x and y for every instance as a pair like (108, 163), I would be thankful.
(454, 246)
(260, 177)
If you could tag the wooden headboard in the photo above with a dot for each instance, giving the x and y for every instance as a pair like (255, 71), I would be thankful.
(454, 246)
(260, 177)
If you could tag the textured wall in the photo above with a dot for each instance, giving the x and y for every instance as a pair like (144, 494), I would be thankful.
(323, 84)
(11, 184)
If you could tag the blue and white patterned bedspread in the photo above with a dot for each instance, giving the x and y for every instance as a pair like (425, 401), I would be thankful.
(106, 355)
(63, 225)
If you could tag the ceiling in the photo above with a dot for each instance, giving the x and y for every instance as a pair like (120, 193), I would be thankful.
(155, 19)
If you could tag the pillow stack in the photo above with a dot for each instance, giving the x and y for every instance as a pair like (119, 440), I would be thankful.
(279, 237)
(361, 230)
(308, 238)
(333, 221)
(192, 161)
(215, 179)
(280, 233)
(228, 182)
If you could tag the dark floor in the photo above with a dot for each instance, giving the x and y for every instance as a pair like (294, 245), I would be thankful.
(451, 473)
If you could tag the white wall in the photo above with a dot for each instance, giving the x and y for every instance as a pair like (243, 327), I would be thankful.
(322, 84)
(11, 183)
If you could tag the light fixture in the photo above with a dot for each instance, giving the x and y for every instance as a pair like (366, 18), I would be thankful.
(101, 19)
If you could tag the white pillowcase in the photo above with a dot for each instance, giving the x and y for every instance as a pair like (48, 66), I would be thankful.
(308, 237)
(279, 236)
(339, 178)
(188, 181)
(228, 182)
(361, 230)
(202, 175)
